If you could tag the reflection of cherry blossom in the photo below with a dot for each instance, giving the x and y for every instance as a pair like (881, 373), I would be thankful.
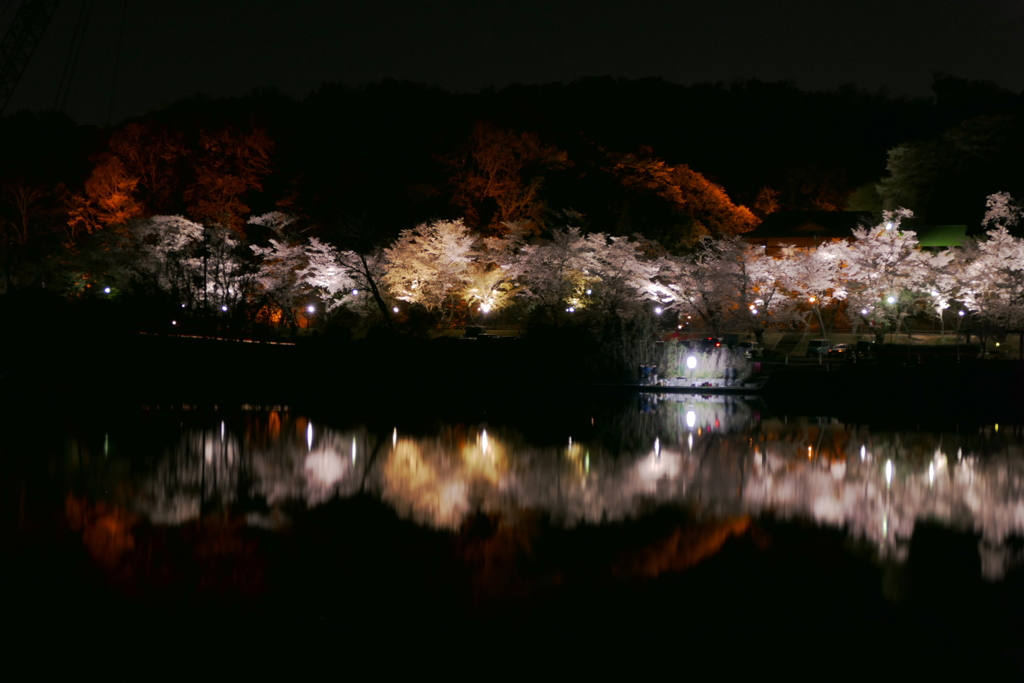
(728, 464)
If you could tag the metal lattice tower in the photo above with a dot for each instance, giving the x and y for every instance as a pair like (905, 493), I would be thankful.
(20, 42)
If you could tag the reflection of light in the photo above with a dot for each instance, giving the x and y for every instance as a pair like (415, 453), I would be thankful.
(810, 452)
(689, 441)
(394, 437)
(222, 431)
(484, 444)
(863, 450)
(691, 418)
(931, 473)
(888, 472)
(997, 424)
(324, 467)
(885, 525)
(106, 444)
(586, 463)
(353, 450)
(309, 436)
(691, 362)
(657, 446)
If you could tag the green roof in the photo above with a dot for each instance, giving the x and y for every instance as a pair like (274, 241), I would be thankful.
(941, 235)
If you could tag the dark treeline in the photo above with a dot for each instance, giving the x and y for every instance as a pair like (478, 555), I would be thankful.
(667, 161)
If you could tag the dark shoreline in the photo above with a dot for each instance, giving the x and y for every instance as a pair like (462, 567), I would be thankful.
(94, 371)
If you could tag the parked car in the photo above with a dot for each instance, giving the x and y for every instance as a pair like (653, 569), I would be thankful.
(865, 349)
(751, 349)
(817, 347)
(841, 351)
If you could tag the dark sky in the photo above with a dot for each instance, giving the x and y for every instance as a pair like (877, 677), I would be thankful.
(174, 48)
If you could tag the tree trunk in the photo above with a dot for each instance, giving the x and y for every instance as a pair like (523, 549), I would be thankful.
(381, 304)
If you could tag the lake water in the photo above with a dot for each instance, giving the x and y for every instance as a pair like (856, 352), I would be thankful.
(522, 511)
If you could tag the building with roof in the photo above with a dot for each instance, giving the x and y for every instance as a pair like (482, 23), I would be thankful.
(806, 229)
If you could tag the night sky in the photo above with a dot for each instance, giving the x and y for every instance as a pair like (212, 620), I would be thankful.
(176, 48)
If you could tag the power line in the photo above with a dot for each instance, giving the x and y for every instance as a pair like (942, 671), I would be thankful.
(74, 53)
(117, 61)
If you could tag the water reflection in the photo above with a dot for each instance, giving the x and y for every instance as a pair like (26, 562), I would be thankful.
(718, 457)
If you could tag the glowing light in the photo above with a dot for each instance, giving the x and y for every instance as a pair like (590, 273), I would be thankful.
(891, 299)
(691, 418)
(174, 322)
(691, 362)
(888, 472)
(355, 292)
(394, 309)
(812, 299)
(309, 436)
(224, 308)
(657, 310)
(589, 292)
(935, 293)
(486, 308)
(183, 305)
(997, 424)
(571, 309)
(863, 311)
(106, 290)
(888, 226)
(961, 313)
(311, 309)
(754, 311)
